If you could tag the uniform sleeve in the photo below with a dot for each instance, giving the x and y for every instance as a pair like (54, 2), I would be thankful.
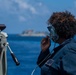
(41, 57)
(45, 70)
(68, 63)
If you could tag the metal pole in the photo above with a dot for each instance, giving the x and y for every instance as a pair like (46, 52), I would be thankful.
(3, 56)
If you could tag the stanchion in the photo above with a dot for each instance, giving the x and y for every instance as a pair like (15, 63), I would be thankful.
(3, 48)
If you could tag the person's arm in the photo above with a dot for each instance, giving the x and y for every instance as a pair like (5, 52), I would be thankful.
(68, 62)
(43, 57)
(45, 70)
(45, 44)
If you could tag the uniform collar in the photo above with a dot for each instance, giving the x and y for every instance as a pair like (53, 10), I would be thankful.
(73, 39)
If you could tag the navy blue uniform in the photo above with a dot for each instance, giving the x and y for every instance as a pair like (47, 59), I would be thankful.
(61, 62)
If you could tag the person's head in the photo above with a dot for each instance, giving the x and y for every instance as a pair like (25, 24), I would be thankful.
(64, 24)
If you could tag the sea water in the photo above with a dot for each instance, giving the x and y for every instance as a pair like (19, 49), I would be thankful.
(26, 50)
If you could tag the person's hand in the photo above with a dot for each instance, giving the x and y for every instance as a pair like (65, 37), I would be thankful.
(45, 44)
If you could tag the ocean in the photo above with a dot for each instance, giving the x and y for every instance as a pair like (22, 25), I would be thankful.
(26, 50)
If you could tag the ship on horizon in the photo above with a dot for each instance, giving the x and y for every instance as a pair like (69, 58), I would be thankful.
(32, 33)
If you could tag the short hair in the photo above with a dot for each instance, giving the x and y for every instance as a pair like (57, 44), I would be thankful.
(64, 23)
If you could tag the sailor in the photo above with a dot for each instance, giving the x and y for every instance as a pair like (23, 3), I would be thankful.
(62, 59)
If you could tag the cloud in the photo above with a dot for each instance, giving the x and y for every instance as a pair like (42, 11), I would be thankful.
(23, 7)
(16, 5)
(40, 4)
(22, 18)
(75, 3)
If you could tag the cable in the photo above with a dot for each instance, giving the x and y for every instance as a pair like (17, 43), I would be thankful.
(40, 63)
(43, 60)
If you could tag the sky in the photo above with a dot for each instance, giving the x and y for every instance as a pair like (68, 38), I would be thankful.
(20, 15)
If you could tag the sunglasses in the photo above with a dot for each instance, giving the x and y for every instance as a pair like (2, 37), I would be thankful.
(51, 29)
